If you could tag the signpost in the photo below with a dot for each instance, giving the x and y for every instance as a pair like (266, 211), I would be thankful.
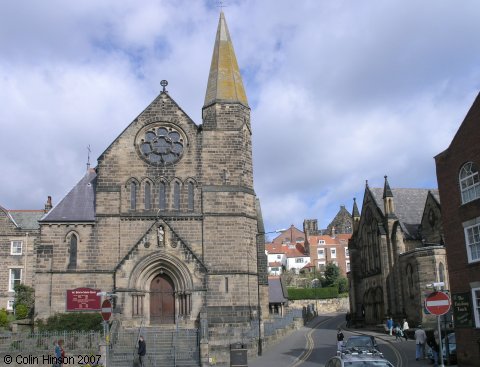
(438, 303)
(106, 312)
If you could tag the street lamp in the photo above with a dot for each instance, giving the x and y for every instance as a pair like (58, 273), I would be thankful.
(260, 338)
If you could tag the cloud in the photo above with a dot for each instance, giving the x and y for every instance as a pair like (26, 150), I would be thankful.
(341, 91)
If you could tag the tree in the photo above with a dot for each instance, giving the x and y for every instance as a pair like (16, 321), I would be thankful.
(332, 273)
(24, 300)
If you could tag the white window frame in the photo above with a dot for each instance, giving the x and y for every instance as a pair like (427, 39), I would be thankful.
(472, 238)
(14, 247)
(320, 264)
(333, 253)
(11, 281)
(469, 183)
(321, 253)
(279, 257)
(321, 242)
(10, 303)
(299, 260)
(347, 254)
(476, 306)
(347, 265)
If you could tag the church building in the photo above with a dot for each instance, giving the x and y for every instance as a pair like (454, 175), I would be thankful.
(168, 221)
(396, 249)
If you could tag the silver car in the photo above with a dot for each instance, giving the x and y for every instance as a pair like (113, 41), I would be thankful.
(358, 360)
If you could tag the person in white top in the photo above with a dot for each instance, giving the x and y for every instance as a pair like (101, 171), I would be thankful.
(420, 339)
(405, 327)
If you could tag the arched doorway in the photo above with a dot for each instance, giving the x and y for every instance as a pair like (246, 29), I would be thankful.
(162, 300)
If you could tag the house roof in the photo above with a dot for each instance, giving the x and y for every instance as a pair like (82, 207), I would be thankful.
(276, 290)
(409, 206)
(26, 219)
(339, 239)
(78, 205)
(275, 263)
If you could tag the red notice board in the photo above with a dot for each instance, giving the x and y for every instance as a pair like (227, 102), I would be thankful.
(83, 299)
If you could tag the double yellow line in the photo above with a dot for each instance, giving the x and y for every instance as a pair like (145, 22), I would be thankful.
(310, 344)
(309, 347)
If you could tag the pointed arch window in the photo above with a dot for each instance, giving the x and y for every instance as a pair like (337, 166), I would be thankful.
(469, 182)
(133, 195)
(441, 273)
(162, 202)
(191, 196)
(148, 196)
(72, 249)
(176, 196)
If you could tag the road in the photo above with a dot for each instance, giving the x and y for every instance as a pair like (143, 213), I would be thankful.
(316, 342)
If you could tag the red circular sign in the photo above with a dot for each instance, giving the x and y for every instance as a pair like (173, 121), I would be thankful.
(438, 303)
(106, 310)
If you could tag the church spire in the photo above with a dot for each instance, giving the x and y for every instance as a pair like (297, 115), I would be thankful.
(224, 81)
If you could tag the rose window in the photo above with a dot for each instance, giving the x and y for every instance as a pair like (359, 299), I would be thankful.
(162, 145)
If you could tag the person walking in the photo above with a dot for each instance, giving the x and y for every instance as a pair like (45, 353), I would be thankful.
(420, 338)
(433, 344)
(340, 338)
(390, 325)
(142, 350)
(405, 327)
(398, 332)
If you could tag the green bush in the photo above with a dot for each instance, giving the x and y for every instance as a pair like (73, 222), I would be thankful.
(342, 285)
(72, 321)
(3, 318)
(24, 295)
(21, 311)
(312, 293)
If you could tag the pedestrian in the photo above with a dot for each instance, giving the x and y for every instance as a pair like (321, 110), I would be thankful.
(60, 353)
(57, 354)
(420, 338)
(433, 344)
(340, 338)
(390, 325)
(405, 327)
(142, 350)
(398, 332)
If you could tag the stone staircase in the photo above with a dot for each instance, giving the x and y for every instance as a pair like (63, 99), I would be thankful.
(165, 347)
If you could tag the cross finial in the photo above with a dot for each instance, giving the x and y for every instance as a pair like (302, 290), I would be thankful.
(164, 84)
(221, 5)
(88, 157)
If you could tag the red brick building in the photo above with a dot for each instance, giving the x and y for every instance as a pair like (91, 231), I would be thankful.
(459, 187)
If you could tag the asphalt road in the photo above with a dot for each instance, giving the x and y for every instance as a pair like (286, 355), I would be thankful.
(315, 343)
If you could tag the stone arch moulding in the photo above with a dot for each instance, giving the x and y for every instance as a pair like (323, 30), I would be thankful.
(157, 263)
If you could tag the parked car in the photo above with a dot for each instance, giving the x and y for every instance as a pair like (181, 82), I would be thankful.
(356, 359)
(452, 348)
(360, 343)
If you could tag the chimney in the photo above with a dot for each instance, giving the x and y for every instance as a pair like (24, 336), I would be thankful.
(48, 204)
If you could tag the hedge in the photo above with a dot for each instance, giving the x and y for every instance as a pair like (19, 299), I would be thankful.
(75, 321)
(312, 293)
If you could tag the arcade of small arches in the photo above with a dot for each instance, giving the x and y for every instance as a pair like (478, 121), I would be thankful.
(162, 195)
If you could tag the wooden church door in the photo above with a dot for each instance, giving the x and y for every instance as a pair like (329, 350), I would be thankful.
(162, 300)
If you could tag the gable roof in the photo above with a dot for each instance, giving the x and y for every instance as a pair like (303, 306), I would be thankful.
(409, 206)
(78, 205)
(26, 219)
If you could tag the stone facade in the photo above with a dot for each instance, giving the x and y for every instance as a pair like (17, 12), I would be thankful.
(396, 249)
(458, 183)
(19, 233)
(168, 220)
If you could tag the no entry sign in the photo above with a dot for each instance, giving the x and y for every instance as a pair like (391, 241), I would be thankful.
(106, 310)
(438, 303)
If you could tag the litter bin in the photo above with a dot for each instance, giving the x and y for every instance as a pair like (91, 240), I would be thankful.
(238, 355)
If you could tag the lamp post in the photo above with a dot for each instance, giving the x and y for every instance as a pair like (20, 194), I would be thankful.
(259, 307)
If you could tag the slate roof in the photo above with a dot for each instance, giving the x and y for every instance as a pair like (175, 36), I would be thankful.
(409, 207)
(276, 292)
(26, 219)
(78, 205)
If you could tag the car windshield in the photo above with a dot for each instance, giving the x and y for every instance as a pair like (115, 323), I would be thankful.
(368, 364)
(359, 342)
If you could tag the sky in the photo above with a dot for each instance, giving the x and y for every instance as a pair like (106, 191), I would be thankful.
(340, 91)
